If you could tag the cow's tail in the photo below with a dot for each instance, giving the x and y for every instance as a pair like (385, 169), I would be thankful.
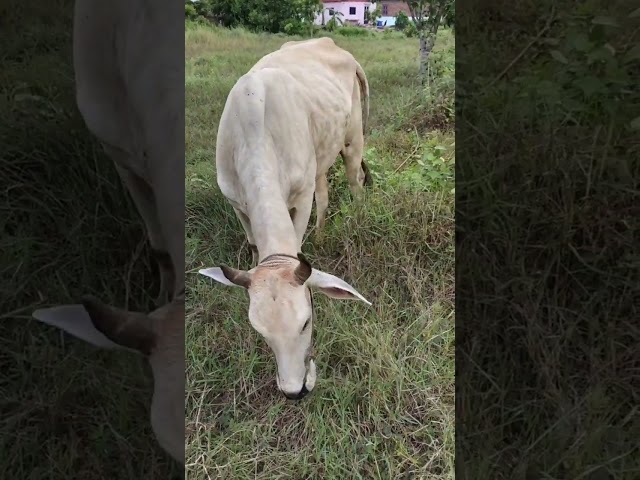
(364, 93)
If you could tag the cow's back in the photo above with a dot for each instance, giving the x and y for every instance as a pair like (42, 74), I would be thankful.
(313, 61)
(322, 78)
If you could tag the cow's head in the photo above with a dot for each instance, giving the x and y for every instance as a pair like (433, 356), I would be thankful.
(281, 310)
(159, 336)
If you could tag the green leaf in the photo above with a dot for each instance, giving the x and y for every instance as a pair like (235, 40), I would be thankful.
(608, 21)
(573, 105)
(579, 41)
(589, 85)
(599, 54)
(634, 14)
(550, 41)
(632, 54)
(557, 55)
(635, 123)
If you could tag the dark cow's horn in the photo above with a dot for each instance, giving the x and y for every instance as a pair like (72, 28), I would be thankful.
(303, 271)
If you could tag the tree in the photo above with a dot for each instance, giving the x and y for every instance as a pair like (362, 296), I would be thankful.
(372, 15)
(335, 21)
(428, 16)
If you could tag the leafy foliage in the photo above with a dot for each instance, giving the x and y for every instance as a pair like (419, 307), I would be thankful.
(334, 22)
(273, 16)
(429, 15)
(402, 21)
(589, 73)
(190, 11)
(372, 15)
(411, 30)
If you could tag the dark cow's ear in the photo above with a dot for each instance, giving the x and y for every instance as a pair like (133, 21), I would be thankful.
(228, 276)
(303, 271)
(238, 277)
(128, 329)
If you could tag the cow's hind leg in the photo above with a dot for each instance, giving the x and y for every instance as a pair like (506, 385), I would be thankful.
(143, 198)
(246, 225)
(357, 170)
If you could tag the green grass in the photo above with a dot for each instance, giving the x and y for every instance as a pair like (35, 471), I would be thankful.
(67, 228)
(383, 406)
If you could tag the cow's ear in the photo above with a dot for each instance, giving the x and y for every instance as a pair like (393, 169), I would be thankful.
(75, 320)
(129, 329)
(101, 325)
(334, 287)
(228, 276)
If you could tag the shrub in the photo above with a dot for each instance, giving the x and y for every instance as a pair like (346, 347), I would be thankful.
(410, 30)
(190, 11)
(293, 27)
(401, 21)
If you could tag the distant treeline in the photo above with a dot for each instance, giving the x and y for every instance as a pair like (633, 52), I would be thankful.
(274, 16)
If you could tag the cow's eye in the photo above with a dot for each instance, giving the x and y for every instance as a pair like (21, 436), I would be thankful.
(306, 324)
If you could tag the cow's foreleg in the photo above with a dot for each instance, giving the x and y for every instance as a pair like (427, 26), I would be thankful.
(143, 198)
(301, 217)
(322, 203)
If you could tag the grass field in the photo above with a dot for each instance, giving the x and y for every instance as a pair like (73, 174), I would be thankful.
(67, 228)
(383, 407)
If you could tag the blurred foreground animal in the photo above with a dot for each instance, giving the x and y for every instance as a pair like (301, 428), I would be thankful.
(283, 125)
(128, 61)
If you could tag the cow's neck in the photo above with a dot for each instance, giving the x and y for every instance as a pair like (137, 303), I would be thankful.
(271, 224)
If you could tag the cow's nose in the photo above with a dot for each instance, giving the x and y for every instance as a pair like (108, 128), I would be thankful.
(297, 396)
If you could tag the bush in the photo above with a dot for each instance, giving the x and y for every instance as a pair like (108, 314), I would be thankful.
(410, 30)
(293, 27)
(190, 11)
(401, 21)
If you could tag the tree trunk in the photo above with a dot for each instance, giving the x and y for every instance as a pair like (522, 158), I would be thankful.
(427, 40)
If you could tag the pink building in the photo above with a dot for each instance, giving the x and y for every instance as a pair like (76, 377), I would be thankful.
(353, 11)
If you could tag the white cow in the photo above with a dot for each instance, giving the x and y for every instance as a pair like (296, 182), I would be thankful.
(283, 125)
(128, 59)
